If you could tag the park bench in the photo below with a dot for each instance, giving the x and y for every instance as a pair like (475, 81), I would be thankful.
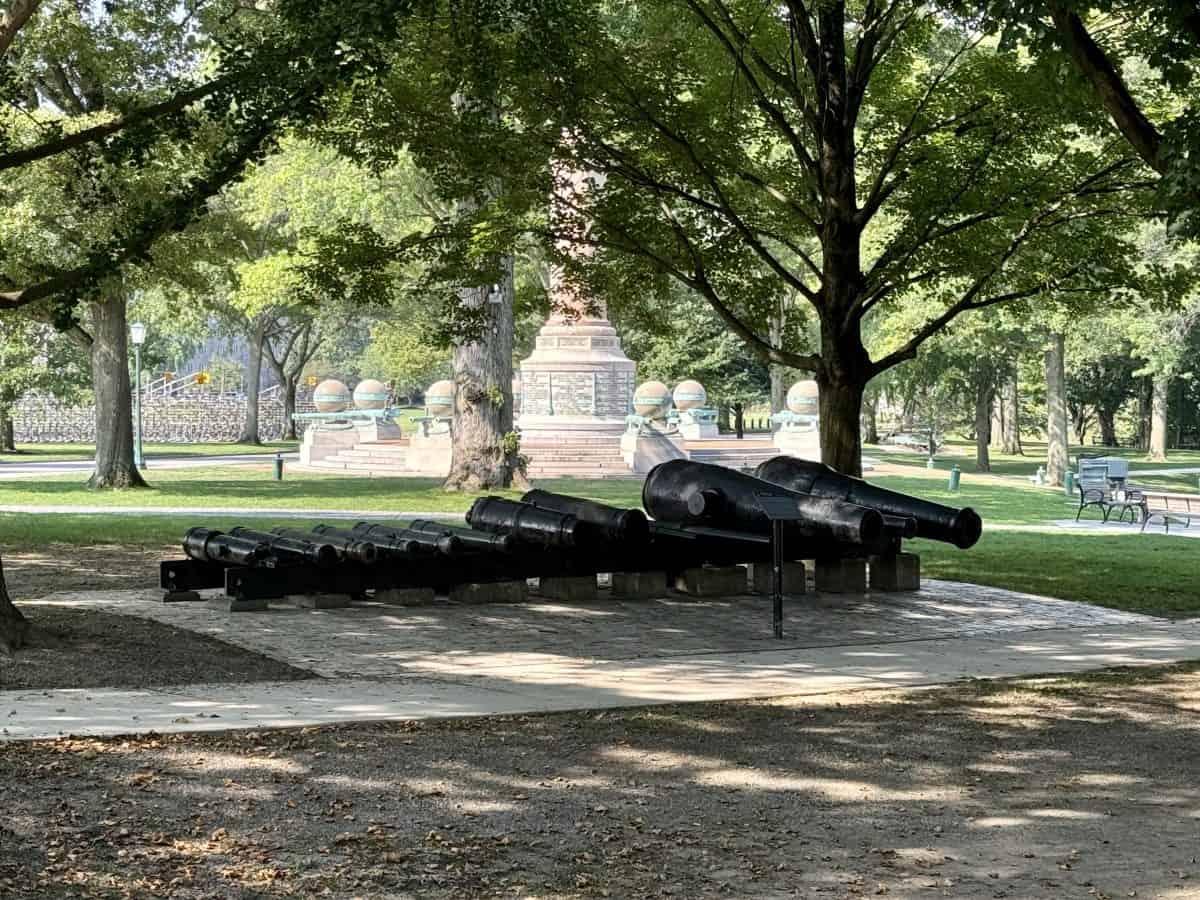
(1167, 506)
(1094, 487)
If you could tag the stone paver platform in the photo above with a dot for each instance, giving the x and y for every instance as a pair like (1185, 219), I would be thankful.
(445, 660)
(378, 641)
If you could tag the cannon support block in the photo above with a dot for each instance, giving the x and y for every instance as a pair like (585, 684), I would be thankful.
(898, 572)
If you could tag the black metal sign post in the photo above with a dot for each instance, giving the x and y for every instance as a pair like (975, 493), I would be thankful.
(778, 509)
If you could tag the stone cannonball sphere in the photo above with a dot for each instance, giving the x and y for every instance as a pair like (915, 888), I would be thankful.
(331, 395)
(651, 399)
(802, 398)
(690, 395)
(439, 398)
(371, 394)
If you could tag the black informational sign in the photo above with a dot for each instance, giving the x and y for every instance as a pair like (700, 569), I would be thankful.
(779, 508)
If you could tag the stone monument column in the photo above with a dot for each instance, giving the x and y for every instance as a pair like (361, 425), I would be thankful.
(578, 381)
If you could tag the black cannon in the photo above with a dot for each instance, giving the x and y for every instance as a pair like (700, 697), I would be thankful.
(530, 524)
(470, 538)
(407, 541)
(348, 545)
(291, 549)
(685, 492)
(210, 545)
(621, 525)
(960, 527)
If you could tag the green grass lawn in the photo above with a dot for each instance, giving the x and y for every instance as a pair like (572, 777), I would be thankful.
(253, 486)
(1148, 573)
(963, 453)
(70, 452)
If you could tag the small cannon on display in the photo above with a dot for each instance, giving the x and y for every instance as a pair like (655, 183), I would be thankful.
(698, 519)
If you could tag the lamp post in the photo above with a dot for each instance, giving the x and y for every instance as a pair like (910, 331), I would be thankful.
(137, 333)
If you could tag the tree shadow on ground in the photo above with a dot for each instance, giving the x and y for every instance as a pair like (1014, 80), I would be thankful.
(1057, 788)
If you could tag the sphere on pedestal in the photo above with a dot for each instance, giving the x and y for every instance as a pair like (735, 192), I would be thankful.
(690, 395)
(802, 398)
(651, 400)
(331, 395)
(439, 398)
(371, 394)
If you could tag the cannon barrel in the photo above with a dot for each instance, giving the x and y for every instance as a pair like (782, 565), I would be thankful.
(210, 545)
(405, 540)
(615, 523)
(529, 524)
(471, 538)
(900, 526)
(960, 527)
(301, 549)
(348, 546)
(684, 492)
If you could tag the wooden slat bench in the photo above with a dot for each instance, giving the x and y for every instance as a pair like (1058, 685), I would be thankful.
(1166, 506)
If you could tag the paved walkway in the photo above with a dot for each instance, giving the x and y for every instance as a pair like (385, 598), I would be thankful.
(380, 662)
(43, 468)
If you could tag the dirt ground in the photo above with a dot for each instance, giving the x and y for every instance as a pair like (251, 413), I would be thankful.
(85, 648)
(1039, 789)
(70, 567)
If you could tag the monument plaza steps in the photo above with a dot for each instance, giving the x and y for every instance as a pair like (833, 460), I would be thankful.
(575, 458)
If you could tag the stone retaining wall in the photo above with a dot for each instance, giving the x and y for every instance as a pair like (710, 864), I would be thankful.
(38, 420)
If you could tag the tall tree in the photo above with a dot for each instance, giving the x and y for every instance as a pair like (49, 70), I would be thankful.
(901, 147)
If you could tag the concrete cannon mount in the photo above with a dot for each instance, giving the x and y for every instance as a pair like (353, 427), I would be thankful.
(382, 661)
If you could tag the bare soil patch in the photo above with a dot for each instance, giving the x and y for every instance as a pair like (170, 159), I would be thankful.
(1038, 789)
(73, 567)
(86, 648)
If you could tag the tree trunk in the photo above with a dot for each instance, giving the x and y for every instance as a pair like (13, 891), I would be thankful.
(739, 419)
(985, 397)
(249, 433)
(13, 626)
(1057, 451)
(114, 400)
(842, 378)
(996, 429)
(871, 416)
(1011, 402)
(1143, 414)
(289, 405)
(1158, 419)
(777, 373)
(1108, 428)
(7, 442)
(484, 450)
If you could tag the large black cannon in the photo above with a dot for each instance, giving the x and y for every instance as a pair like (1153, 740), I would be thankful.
(531, 524)
(614, 523)
(960, 527)
(405, 540)
(685, 492)
(348, 545)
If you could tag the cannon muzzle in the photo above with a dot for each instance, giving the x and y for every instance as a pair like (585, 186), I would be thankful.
(210, 545)
(960, 527)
